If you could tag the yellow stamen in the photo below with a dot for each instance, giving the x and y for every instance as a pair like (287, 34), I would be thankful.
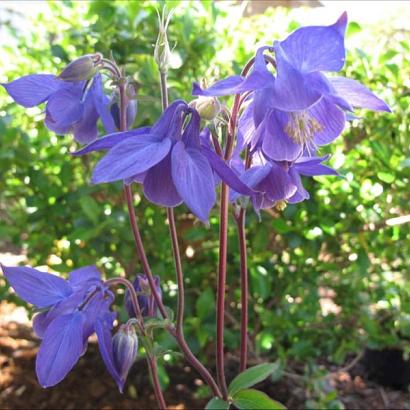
(301, 127)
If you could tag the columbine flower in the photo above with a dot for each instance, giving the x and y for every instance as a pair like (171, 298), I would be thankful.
(299, 109)
(118, 352)
(71, 106)
(146, 300)
(167, 160)
(69, 311)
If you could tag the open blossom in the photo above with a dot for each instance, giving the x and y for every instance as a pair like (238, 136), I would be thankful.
(299, 109)
(71, 106)
(168, 160)
(69, 311)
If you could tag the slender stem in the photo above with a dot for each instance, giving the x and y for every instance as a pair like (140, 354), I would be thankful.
(164, 90)
(152, 365)
(240, 221)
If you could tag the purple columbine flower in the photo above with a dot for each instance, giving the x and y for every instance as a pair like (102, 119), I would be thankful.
(299, 109)
(168, 160)
(118, 352)
(145, 299)
(69, 311)
(71, 106)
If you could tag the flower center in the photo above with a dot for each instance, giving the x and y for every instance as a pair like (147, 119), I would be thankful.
(301, 127)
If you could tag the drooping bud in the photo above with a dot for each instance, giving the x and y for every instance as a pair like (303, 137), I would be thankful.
(207, 107)
(125, 349)
(162, 52)
(81, 69)
(145, 298)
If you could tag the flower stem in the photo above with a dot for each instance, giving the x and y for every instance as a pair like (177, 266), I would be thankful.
(240, 221)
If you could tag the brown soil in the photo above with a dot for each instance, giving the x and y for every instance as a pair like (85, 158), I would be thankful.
(89, 386)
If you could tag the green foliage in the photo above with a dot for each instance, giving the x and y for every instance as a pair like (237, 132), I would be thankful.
(217, 404)
(251, 376)
(327, 276)
(251, 399)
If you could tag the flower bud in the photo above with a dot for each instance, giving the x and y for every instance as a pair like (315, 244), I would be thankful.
(81, 69)
(145, 299)
(207, 107)
(125, 349)
(162, 52)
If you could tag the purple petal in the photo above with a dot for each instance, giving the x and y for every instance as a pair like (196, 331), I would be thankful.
(317, 48)
(55, 127)
(301, 194)
(357, 94)
(277, 185)
(331, 120)
(33, 89)
(79, 277)
(193, 178)
(292, 89)
(251, 178)
(102, 104)
(159, 186)
(313, 166)
(131, 157)
(246, 129)
(60, 349)
(226, 173)
(65, 107)
(38, 288)
(85, 131)
(190, 136)
(276, 144)
(103, 330)
(170, 122)
(110, 140)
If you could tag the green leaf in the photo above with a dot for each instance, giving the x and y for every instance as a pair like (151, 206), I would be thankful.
(217, 404)
(255, 400)
(251, 376)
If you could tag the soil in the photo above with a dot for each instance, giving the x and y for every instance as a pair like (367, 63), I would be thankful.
(89, 386)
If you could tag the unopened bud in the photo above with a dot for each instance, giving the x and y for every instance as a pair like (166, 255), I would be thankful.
(208, 107)
(162, 52)
(125, 349)
(146, 300)
(82, 68)
(131, 113)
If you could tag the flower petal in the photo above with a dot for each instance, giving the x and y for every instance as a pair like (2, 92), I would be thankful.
(277, 185)
(226, 173)
(331, 120)
(60, 349)
(193, 178)
(312, 166)
(85, 130)
(170, 122)
(33, 89)
(251, 178)
(110, 140)
(159, 186)
(65, 107)
(103, 330)
(317, 48)
(38, 288)
(276, 144)
(131, 157)
(292, 90)
(301, 194)
(357, 94)
(79, 277)
(102, 104)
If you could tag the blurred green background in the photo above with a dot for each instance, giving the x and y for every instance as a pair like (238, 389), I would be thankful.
(328, 277)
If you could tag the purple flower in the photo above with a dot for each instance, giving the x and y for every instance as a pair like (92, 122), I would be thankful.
(71, 106)
(69, 311)
(299, 109)
(145, 299)
(118, 352)
(168, 160)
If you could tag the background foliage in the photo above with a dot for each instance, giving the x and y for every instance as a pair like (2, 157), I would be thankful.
(328, 276)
